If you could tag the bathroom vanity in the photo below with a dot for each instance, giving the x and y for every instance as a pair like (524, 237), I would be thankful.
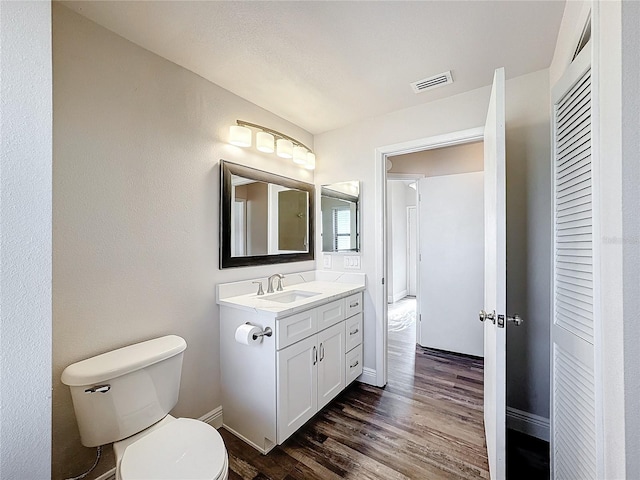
(311, 351)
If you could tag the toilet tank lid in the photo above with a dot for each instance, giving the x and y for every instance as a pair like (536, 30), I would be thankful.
(122, 361)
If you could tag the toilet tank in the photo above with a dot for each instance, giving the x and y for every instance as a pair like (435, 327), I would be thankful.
(122, 392)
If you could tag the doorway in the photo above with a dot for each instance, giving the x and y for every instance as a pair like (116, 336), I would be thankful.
(435, 251)
(383, 155)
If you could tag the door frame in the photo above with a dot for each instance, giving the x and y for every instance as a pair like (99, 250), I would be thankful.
(415, 239)
(380, 289)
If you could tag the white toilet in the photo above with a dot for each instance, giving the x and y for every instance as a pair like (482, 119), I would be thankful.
(125, 396)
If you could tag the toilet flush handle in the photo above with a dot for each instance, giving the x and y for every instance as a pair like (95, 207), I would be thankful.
(98, 389)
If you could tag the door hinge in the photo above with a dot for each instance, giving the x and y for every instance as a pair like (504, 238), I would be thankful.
(419, 317)
(383, 280)
(420, 257)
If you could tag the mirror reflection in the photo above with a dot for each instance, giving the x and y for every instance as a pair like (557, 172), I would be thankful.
(340, 216)
(265, 218)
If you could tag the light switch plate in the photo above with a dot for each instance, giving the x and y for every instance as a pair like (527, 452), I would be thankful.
(326, 261)
(352, 262)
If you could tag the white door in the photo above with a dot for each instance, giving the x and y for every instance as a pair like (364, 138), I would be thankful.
(331, 363)
(297, 392)
(576, 436)
(412, 257)
(495, 285)
(451, 218)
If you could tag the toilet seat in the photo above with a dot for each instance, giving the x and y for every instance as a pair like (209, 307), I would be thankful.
(184, 449)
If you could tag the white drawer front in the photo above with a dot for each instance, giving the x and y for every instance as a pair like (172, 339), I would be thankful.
(353, 304)
(354, 364)
(330, 314)
(296, 327)
(354, 332)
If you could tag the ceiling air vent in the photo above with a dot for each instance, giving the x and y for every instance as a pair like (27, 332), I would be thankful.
(432, 82)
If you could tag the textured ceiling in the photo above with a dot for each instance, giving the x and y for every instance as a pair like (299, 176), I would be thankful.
(325, 64)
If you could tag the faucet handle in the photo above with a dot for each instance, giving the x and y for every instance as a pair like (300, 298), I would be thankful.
(260, 290)
(280, 285)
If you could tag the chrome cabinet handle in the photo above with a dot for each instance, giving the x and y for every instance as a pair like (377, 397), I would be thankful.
(321, 352)
(315, 355)
(354, 332)
(355, 364)
(354, 304)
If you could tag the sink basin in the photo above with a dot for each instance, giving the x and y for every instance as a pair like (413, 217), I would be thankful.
(290, 296)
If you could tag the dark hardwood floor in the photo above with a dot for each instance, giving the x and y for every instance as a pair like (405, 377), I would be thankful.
(425, 424)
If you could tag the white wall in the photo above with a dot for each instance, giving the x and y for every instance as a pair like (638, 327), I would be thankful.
(25, 240)
(137, 140)
(350, 153)
(397, 239)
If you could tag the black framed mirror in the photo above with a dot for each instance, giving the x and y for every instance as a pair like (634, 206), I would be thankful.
(264, 218)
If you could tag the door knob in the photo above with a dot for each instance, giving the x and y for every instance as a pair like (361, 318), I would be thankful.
(487, 316)
(517, 319)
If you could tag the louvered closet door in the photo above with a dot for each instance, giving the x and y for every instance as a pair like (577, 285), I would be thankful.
(573, 415)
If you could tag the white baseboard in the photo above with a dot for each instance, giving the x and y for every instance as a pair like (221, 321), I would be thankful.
(393, 298)
(368, 376)
(528, 423)
(399, 296)
(213, 418)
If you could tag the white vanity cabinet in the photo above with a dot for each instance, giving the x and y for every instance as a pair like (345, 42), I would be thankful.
(270, 389)
(309, 375)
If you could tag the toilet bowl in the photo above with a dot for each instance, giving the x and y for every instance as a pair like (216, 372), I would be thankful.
(180, 448)
(124, 397)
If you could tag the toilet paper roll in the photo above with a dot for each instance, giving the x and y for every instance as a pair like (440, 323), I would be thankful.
(245, 334)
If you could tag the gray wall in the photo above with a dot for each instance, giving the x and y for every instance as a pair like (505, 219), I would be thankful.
(25, 240)
(136, 145)
(631, 228)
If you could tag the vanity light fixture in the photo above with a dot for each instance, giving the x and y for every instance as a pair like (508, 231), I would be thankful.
(285, 146)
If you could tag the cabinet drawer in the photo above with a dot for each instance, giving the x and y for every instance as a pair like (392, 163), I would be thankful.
(354, 332)
(330, 314)
(296, 327)
(353, 304)
(354, 364)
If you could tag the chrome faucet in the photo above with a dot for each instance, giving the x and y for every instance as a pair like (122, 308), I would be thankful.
(279, 276)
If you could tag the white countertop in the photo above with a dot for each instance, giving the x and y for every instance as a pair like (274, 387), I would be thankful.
(327, 292)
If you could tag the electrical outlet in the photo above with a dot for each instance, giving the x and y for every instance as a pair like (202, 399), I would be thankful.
(326, 259)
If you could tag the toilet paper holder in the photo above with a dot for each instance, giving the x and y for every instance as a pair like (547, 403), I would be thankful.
(267, 332)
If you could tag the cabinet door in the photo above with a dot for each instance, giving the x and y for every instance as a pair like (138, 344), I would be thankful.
(331, 363)
(297, 393)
